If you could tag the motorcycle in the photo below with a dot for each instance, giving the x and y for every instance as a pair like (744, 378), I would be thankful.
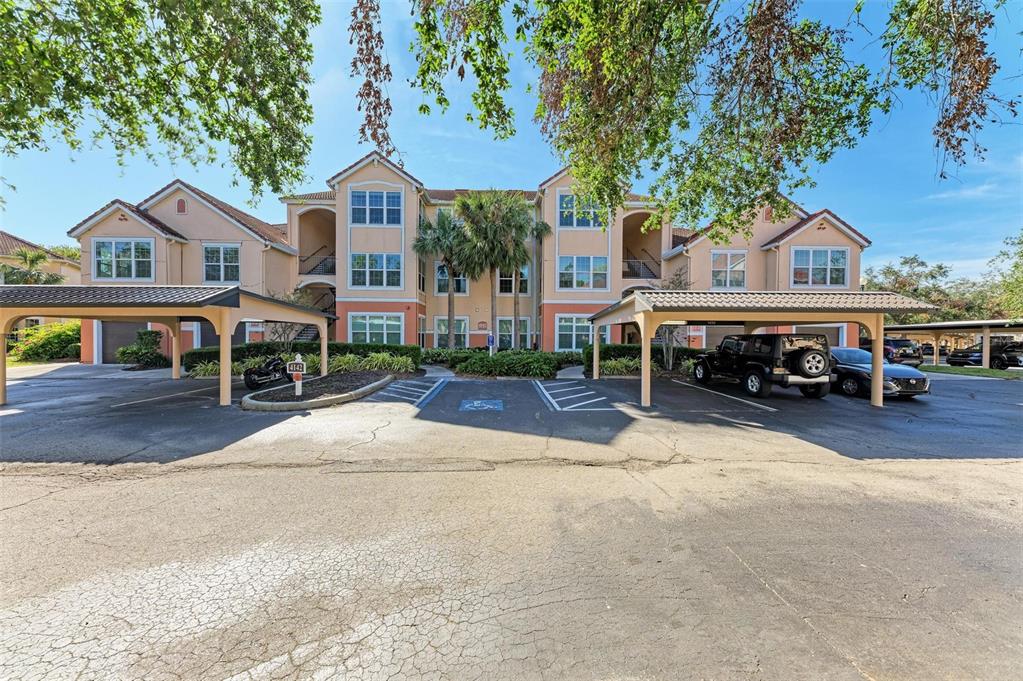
(274, 369)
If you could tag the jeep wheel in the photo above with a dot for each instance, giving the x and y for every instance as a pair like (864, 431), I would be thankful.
(755, 385)
(701, 372)
(815, 390)
(811, 363)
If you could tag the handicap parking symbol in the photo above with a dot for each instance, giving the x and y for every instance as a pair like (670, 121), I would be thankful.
(481, 405)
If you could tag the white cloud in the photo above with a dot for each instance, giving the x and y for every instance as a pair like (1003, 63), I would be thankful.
(981, 191)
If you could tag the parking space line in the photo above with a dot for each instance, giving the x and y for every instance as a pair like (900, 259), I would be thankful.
(551, 403)
(415, 391)
(731, 397)
(561, 390)
(574, 406)
(400, 397)
(427, 385)
(432, 393)
(571, 397)
(163, 397)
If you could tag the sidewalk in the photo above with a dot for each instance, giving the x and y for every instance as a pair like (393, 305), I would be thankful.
(66, 370)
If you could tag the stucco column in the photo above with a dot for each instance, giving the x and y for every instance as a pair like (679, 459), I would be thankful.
(937, 348)
(224, 330)
(323, 348)
(645, 332)
(3, 364)
(877, 363)
(175, 332)
(985, 347)
(596, 352)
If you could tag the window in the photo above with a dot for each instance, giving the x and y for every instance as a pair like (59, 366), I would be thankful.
(122, 259)
(573, 212)
(575, 333)
(461, 283)
(504, 332)
(375, 208)
(422, 274)
(421, 331)
(728, 269)
(820, 266)
(375, 328)
(181, 207)
(582, 271)
(440, 325)
(221, 262)
(506, 282)
(446, 210)
(376, 270)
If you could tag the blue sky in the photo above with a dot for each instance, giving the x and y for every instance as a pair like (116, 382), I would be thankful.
(888, 186)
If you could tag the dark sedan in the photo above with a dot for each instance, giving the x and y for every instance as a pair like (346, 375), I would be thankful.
(1003, 356)
(852, 375)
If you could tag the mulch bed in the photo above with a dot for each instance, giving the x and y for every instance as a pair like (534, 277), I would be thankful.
(331, 384)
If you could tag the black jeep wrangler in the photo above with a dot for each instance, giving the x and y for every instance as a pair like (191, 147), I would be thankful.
(762, 360)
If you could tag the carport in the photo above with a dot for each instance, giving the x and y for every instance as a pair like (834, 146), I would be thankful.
(937, 330)
(753, 310)
(222, 306)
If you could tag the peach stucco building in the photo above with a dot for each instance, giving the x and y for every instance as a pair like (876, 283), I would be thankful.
(351, 246)
(55, 264)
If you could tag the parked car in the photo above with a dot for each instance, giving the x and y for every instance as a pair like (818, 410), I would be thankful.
(852, 371)
(1003, 356)
(763, 360)
(898, 351)
(928, 349)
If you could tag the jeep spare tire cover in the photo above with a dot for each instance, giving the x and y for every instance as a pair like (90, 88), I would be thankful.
(811, 363)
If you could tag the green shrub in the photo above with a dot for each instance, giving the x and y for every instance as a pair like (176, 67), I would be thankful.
(451, 357)
(144, 353)
(616, 350)
(203, 369)
(620, 366)
(528, 363)
(382, 361)
(47, 342)
(343, 364)
(306, 348)
(569, 359)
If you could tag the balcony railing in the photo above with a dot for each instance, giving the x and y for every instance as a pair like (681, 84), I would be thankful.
(326, 264)
(640, 269)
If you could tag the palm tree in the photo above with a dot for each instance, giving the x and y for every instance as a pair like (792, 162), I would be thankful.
(497, 225)
(29, 269)
(447, 241)
(519, 257)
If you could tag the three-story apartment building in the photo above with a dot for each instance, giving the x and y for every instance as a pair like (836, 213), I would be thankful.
(351, 247)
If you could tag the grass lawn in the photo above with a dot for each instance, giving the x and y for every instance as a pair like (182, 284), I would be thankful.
(972, 371)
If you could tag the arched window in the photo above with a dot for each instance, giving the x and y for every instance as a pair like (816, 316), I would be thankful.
(182, 207)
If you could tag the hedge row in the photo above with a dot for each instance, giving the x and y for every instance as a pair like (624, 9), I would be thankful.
(528, 363)
(266, 348)
(633, 350)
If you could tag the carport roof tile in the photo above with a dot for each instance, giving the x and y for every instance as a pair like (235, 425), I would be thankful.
(117, 296)
(844, 301)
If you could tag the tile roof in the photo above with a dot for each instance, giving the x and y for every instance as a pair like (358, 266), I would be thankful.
(781, 301)
(451, 194)
(117, 296)
(312, 196)
(10, 243)
(143, 215)
(808, 220)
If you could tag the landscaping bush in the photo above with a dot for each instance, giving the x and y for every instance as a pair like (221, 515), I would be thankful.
(450, 357)
(632, 350)
(204, 369)
(342, 364)
(620, 366)
(144, 353)
(48, 342)
(306, 348)
(569, 359)
(528, 363)
(383, 361)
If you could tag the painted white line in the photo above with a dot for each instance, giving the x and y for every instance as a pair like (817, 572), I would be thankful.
(431, 393)
(10, 412)
(415, 391)
(164, 397)
(400, 397)
(546, 397)
(428, 385)
(572, 397)
(576, 406)
(731, 397)
(562, 390)
(553, 383)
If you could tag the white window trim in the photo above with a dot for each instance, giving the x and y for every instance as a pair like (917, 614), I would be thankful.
(421, 332)
(392, 189)
(557, 334)
(221, 245)
(400, 315)
(745, 269)
(792, 266)
(557, 273)
(437, 333)
(529, 285)
(436, 282)
(92, 255)
(574, 227)
(497, 333)
(401, 272)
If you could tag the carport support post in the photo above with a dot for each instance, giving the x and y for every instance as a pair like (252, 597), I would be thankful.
(645, 331)
(877, 362)
(937, 349)
(596, 352)
(3, 364)
(224, 332)
(323, 349)
(175, 332)
(985, 347)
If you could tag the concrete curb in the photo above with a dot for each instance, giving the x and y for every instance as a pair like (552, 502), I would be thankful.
(256, 405)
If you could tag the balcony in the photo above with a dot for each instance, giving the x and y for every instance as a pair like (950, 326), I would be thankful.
(325, 265)
(635, 268)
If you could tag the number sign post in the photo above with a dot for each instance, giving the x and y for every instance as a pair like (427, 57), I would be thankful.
(296, 369)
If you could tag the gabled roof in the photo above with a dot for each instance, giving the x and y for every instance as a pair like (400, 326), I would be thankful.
(329, 195)
(142, 216)
(371, 157)
(10, 243)
(446, 195)
(264, 231)
(550, 180)
(825, 214)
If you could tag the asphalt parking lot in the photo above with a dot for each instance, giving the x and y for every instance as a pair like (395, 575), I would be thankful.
(474, 529)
